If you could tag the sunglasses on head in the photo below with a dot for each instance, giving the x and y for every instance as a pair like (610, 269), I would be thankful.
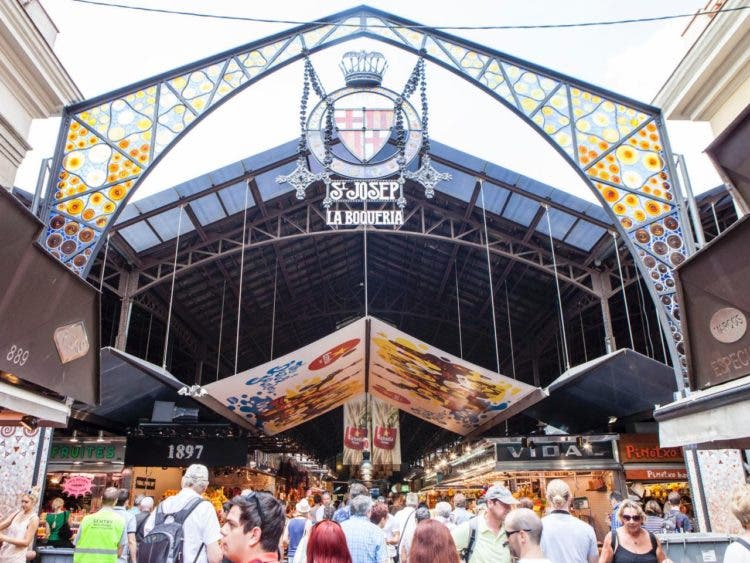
(257, 506)
(634, 517)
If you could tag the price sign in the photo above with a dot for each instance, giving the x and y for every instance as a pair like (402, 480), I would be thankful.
(181, 452)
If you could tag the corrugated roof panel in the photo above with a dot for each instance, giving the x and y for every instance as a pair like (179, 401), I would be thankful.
(561, 223)
(534, 186)
(584, 235)
(226, 173)
(194, 186)
(461, 186)
(139, 236)
(128, 212)
(453, 155)
(520, 209)
(208, 209)
(156, 200)
(270, 156)
(233, 198)
(494, 197)
(165, 224)
(267, 184)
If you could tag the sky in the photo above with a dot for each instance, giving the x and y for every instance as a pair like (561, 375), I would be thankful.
(105, 48)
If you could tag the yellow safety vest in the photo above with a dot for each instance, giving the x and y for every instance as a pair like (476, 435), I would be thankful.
(99, 537)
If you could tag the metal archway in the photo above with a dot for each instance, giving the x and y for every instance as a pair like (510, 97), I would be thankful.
(107, 145)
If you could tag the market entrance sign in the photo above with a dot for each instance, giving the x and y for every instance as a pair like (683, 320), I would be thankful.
(548, 453)
(94, 452)
(364, 196)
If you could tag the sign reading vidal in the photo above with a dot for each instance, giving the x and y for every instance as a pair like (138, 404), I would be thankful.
(364, 136)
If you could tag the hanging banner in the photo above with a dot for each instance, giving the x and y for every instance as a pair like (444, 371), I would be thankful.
(356, 435)
(435, 386)
(386, 442)
(300, 386)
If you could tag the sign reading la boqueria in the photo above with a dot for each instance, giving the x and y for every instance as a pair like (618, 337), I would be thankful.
(361, 193)
(368, 135)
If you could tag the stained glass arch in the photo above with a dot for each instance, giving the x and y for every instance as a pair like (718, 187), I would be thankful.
(108, 145)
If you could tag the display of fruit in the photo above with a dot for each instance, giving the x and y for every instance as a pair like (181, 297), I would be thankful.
(216, 497)
(169, 493)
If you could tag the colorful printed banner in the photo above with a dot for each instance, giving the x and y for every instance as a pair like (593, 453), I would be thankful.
(356, 430)
(300, 386)
(386, 442)
(436, 386)
(382, 418)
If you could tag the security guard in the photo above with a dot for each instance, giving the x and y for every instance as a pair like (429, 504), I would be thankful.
(101, 536)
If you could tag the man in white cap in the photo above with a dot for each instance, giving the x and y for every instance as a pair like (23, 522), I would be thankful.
(483, 539)
(201, 530)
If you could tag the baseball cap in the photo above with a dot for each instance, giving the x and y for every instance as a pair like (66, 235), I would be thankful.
(498, 492)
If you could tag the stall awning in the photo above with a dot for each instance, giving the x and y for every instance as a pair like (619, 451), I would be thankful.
(25, 402)
(715, 418)
(729, 152)
(129, 387)
(49, 332)
(621, 384)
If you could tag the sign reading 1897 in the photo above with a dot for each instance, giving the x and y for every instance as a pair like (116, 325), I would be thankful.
(363, 193)
(182, 451)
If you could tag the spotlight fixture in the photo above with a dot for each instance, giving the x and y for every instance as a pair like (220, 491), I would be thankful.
(74, 437)
(100, 438)
(580, 441)
(366, 464)
(29, 422)
(527, 443)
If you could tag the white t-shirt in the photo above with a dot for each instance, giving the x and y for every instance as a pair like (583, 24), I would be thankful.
(405, 522)
(566, 538)
(201, 527)
(736, 553)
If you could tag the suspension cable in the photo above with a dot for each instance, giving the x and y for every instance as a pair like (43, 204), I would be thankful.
(273, 313)
(510, 331)
(583, 337)
(564, 343)
(642, 301)
(171, 291)
(458, 306)
(622, 286)
(489, 271)
(221, 329)
(104, 263)
(239, 292)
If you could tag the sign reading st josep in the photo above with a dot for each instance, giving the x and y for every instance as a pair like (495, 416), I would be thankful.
(364, 193)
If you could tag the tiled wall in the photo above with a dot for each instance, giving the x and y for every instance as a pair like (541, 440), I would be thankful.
(721, 472)
(22, 464)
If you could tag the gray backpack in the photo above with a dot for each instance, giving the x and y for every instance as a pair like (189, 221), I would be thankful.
(165, 542)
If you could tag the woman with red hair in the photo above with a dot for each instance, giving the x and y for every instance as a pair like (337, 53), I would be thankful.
(327, 544)
(432, 543)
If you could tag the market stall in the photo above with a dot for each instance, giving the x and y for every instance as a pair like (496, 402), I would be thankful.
(652, 472)
(526, 464)
(80, 469)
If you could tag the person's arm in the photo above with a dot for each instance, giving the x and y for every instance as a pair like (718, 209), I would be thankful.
(28, 537)
(7, 520)
(132, 547)
(607, 553)
(284, 541)
(593, 551)
(213, 552)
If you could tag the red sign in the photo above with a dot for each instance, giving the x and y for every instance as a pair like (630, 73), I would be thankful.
(656, 474)
(644, 448)
(326, 359)
(355, 438)
(77, 486)
(385, 438)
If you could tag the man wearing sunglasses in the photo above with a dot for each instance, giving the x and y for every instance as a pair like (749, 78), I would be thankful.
(524, 531)
(483, 539)
(253, 528)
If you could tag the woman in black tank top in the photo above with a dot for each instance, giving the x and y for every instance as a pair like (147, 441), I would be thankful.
(631, 543)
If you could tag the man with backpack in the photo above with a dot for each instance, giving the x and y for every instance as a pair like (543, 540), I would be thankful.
(184, 528)
(253, 529)
(674, 519)
(483, 539)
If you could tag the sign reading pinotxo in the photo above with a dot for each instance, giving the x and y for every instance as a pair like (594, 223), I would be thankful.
(181, 452)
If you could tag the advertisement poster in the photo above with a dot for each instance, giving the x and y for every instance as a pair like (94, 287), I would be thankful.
(300, 386)
(382, 418)
(386, 442)
(436, 386)
(356, 435)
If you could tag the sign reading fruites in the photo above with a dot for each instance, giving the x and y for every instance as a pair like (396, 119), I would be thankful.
(361, 193)
(62, 452)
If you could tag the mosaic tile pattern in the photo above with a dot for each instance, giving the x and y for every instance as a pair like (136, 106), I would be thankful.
(18, 453)
(721, 471)
(106, 148)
